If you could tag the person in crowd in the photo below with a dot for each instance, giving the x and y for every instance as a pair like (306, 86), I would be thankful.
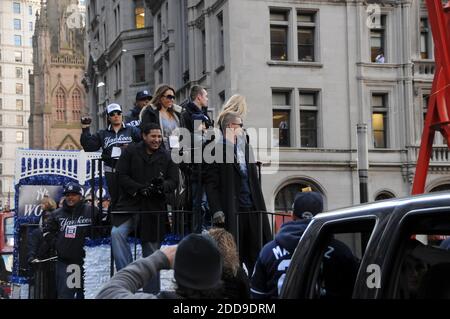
(274, 258)
(197, 265)
(146, 175)
(113, 140)
(71, 225)
(235, 104)
(164, 112)
(142, 99)
(42, 245)
(234, 191)
(195, 118)
(235, 280)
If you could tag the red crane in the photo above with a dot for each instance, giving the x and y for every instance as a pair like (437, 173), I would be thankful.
(437, 118)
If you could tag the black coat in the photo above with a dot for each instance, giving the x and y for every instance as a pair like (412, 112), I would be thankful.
(136, 169)
(223, 186)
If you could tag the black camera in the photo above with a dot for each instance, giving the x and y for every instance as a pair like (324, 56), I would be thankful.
(156, 187)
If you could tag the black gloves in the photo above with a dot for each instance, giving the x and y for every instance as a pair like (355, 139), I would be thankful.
(156, 188)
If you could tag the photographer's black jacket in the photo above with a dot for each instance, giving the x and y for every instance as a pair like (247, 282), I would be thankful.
(136, 170)
(71, 225)
(190, 113)
(107, 139)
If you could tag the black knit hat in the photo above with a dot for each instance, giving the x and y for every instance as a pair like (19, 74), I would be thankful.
(198, 263)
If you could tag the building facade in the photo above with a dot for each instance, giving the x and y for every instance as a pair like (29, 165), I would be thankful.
(314, 70)
(58, 96)
(17, 23)
(120, 54)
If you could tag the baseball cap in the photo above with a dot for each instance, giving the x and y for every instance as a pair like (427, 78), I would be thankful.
(142, 95)
(72, 188)
(307, 204)
(113, 107)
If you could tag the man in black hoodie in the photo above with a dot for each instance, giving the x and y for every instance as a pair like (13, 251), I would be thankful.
(275, 256)
(70, 224)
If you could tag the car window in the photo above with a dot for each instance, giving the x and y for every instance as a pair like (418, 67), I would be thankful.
(341, 250)
(423, 266)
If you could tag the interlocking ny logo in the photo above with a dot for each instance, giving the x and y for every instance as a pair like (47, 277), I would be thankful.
(75, 18)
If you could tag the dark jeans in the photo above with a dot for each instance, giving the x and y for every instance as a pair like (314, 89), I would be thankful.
(113, 188)
(65, 288)
(201, 217)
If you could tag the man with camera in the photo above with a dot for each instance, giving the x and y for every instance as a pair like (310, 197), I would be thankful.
(112, 141)
(147, 175)
(195, 118)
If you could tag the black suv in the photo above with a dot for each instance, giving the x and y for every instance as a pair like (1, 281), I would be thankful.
(388, 249)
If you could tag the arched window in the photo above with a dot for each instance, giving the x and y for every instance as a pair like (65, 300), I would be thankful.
(440, 188)
(76, 105)
(384, 195)
(285, 197)
(60, 105)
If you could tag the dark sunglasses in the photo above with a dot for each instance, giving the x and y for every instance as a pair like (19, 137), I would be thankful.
(115, 113)
(170, 97)
(240, 124)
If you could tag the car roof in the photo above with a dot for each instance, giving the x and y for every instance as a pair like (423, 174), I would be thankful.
(387, 206)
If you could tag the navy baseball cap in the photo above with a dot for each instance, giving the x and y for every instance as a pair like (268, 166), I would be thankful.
(142, 95)
(307, 204)
(72, 188)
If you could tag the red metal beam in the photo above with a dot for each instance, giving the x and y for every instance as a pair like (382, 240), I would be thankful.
(437, 118)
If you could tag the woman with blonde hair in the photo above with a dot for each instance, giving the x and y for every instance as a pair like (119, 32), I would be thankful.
(163, 111)
(235, 280)
(235, 104)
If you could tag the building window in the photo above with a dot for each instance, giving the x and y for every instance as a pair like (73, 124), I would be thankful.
(305, 35)
(139, 68)
(1, 168)
(1, 103)
(1, 137)
(117, 19)
(308, 119)
(384, 195)
(19, 120)
(16, 7)
(379, 120)
(424, 39)
(19, 88)
(221, 55)
(281, 120)
(1, 119)
(0, 71)
(118, 68)
(19, 137)
(203, 51)
(19, 73)
(17, 24)
(377, 39)
(60, 105)
(76, 105)
(30, 26)
(158, 30)
(19, 105)
(18, 56)
(139, 14)
(286, 196)
(30, 10)
(17, 40)
(1, 87)
(279, 25)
